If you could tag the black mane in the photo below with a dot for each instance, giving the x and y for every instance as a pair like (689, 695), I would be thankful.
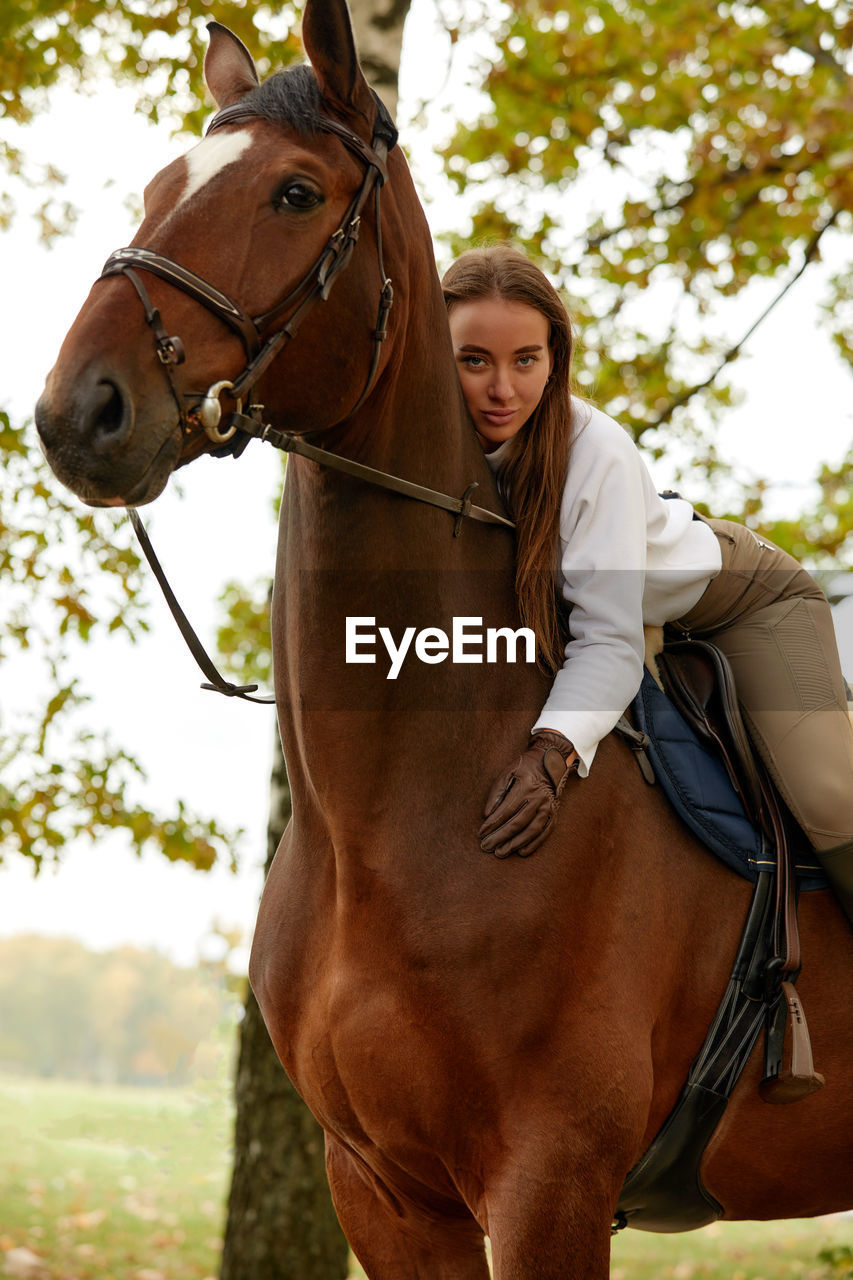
(290, 97)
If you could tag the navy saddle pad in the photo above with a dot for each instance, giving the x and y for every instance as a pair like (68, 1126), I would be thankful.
(695, 781)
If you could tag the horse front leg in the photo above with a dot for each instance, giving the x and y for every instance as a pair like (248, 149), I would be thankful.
(393, 1238)
(550, 1214)
(572, 1242)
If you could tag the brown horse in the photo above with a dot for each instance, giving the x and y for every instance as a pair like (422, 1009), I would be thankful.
(489, 1045)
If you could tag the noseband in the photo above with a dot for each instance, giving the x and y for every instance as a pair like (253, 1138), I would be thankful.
(314, 287)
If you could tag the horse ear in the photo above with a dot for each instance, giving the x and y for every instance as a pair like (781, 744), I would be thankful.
(330, 44)
(229, 71)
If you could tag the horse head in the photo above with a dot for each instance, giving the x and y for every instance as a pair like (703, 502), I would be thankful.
(247, 239)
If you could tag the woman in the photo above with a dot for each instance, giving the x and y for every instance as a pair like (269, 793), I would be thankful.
(585, 505)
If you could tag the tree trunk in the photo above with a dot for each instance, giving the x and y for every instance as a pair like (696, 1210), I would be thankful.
(281, 1224)
(378, 26)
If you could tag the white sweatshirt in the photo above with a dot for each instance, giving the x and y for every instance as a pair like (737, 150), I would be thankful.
(627, 557)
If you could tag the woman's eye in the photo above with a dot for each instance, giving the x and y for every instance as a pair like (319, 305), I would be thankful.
(474, 362)
(297, 195)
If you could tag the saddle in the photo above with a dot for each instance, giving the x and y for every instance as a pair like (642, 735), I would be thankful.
(697, 678)
(664, 1191)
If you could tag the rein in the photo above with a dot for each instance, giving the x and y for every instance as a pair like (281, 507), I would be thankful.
(238, 428)
(216, 681)
(462, 507)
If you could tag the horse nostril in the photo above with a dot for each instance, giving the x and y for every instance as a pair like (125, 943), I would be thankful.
(107, 411)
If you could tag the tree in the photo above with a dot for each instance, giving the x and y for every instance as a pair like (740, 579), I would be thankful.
(58, 779)
(124, 1016)
(68, 580)
(281, 1224)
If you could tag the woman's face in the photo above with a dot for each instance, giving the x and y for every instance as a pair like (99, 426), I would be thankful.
(503, 360)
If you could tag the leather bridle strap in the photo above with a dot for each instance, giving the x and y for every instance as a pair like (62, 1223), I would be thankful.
(313, 287)
(386, 132)
(217, 682)
(462, 508)
(229, 312)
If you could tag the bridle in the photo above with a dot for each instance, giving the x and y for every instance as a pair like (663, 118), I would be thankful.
(232, 435)
(205, 414)
(315, 286)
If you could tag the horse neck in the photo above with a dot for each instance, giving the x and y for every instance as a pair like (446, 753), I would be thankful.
(416, 424)
(348, 549)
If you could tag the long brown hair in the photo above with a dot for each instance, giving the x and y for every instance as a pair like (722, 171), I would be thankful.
(533, 476)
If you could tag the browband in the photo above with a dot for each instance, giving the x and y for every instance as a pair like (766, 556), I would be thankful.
(385, 130)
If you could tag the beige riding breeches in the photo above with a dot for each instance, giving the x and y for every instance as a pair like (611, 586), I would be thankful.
(773, 623)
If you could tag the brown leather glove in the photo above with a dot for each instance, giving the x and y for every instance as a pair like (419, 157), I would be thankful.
(524, 799)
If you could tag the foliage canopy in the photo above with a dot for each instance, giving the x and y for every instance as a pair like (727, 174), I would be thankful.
(661, 159)
(68, 579)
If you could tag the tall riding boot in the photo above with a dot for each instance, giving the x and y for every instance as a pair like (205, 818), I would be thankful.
(838, 865)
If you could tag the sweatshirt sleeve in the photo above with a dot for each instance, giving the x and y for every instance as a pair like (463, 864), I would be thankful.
(603, 536)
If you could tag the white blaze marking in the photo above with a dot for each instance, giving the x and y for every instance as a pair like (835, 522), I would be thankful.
(210, 157)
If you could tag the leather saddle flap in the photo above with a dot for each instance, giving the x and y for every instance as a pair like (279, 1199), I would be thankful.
(698, 679)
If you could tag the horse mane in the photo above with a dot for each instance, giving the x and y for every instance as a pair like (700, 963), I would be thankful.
(291, 97)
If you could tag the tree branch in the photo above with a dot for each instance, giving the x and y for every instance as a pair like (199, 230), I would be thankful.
(734, 351)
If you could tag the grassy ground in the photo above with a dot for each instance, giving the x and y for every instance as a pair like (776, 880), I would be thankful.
(736, 1251)
(129, 1184)
(111, 1184)
(739, 1251)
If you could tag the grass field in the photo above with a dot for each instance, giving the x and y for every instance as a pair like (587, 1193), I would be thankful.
(129, 1184)
(112, 1184)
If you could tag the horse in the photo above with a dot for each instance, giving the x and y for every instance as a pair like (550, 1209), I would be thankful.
(490, 1046)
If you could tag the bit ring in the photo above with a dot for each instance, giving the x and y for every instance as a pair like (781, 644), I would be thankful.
(209, 413)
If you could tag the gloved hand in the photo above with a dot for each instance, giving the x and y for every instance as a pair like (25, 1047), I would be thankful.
(524, 799)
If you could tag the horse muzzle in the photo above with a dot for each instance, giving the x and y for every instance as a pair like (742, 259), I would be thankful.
(102, 445)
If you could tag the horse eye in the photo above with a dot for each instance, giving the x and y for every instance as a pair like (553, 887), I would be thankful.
(297, 195)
